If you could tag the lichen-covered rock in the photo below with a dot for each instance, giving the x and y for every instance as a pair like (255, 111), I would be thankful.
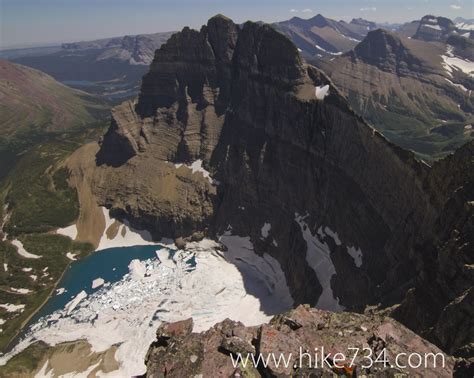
(322, 335)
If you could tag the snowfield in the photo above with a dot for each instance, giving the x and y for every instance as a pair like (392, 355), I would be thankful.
(22, 251)
(126, 236)
(451, 62)
(318, 257)
(200, 281)
(70, 231)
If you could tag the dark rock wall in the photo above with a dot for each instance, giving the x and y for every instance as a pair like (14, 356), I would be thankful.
(242, 100)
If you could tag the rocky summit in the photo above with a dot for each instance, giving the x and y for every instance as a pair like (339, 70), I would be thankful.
(234, 132)
(304, 342)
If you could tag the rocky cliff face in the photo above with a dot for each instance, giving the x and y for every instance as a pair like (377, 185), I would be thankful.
(441, 304)
(240, 103)
(243, 102)
(434, 28)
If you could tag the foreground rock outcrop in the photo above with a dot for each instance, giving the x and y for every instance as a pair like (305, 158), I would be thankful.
(302, 342)
(228, 134)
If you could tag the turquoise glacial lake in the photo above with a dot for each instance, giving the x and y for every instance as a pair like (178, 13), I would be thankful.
(109, 264)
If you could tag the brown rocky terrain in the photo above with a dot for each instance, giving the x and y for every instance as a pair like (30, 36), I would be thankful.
(294, 336)
(242, 101)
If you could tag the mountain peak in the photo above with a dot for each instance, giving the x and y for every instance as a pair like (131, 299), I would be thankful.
(220, 45)
(387, 51)
(363, 22)
(432, 28)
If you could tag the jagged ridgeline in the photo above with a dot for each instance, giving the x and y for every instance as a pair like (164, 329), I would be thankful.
(240, 101)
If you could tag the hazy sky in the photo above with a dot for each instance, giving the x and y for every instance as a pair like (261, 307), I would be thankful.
(30, 22)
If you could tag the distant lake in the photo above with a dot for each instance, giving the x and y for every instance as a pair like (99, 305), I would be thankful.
(109, 264)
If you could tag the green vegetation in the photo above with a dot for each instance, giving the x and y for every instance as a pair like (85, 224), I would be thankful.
(25, 363)
(37, 275)
(39, 200)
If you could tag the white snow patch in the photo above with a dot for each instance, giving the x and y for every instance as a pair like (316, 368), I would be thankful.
(132, 236)
(457, 85)
(265, 230)
(350, 38)
(356, 254)
(275, 243)
(70, 231)
(26, 269)
(2, 321)
(436, 27)
(45, 372)
(5, 267)
(12, 308)
(321, 92)
(465, 26)
(326, 51)
(333, 235)
(34, 277)
(22, 251)
(196, 166)
(451, 62)
(97, 283)
(319, 259)
(20, 291)
(236, 284)
(71, 256)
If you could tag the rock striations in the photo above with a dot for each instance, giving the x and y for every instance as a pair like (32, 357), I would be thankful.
(239, 103)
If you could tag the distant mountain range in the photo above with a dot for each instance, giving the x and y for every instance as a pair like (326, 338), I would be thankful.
(137, 49)
(111, 67)
(412, 83)
(416, 93)
(320, 36)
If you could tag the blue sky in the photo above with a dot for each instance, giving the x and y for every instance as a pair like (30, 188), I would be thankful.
(33, 22)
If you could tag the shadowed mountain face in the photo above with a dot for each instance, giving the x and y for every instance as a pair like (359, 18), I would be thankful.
(242, 101)
(416, 93)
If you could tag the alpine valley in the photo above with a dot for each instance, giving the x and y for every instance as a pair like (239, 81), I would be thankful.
(272, 188)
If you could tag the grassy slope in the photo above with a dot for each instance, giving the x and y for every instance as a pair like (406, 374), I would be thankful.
(41, 123)
(39, 200)
(34, 107)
